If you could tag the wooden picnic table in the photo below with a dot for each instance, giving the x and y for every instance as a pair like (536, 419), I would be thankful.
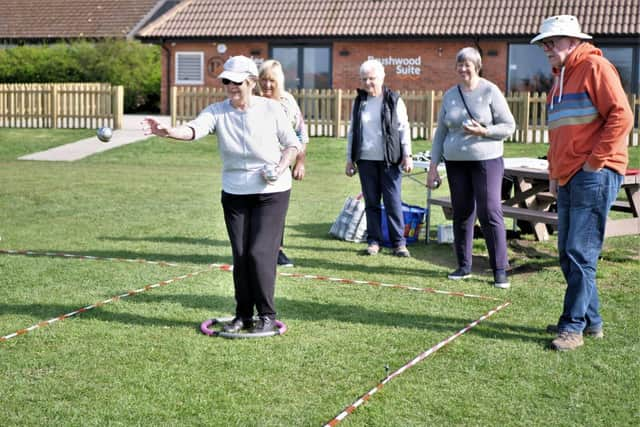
(531, 200)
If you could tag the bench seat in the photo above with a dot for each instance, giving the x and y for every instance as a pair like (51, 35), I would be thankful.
(524, 214)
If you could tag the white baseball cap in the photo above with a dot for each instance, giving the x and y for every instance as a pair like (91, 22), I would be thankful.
(238, 68)
(560, 25)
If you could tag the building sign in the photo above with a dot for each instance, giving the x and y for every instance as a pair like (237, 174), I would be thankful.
(404, 67)
(214, 66)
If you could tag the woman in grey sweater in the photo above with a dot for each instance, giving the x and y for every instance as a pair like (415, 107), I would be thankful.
(472, 123)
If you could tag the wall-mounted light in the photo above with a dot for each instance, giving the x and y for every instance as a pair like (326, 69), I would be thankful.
(440, 50)
(344, 52)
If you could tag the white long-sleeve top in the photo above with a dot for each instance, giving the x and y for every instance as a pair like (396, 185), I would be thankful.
(292, 110)
(372, 147)
(248, 140)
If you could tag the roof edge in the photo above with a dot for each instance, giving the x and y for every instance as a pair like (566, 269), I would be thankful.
(144, 20)
(161, 20)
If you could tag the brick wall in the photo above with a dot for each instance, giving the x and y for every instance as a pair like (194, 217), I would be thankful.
(410, 65)
(213, 61)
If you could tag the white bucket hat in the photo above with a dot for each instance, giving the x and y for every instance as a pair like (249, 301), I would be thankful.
(238, 68)
(561, 25)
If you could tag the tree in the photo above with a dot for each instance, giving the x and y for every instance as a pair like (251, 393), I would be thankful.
(134, 65)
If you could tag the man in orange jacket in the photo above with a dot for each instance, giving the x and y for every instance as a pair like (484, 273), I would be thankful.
(589, 119)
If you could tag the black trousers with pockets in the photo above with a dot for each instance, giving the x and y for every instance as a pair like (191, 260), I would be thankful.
(254, 224)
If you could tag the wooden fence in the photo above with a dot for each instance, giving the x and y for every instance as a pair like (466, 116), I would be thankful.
(327, 111)
(61, 105)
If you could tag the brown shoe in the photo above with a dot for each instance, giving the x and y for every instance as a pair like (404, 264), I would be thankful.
(373, 249)
(566, 341)
(596, 333)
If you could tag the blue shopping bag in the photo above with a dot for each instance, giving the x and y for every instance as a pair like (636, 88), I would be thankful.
(413, 223)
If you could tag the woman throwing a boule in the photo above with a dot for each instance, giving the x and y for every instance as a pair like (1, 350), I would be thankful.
(256, 143)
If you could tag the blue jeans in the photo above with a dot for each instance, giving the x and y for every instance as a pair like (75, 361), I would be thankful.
(583, 206)
(378, 181)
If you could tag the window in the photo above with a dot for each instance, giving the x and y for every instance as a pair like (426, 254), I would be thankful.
(189, 68)
(316, 68)
(622, 58)
(288, 57)
(530, 71)
(307, 67)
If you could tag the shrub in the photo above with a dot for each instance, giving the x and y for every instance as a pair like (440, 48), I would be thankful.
(134, 65)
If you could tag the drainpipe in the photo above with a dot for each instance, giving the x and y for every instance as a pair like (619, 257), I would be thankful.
(168, 89)
(476, 42)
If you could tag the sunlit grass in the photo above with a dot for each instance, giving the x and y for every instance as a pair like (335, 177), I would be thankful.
(141, 360)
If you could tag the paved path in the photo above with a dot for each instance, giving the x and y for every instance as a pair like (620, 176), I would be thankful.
(131, 132)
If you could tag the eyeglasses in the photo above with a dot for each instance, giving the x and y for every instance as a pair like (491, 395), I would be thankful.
(549, 43)
(228, 82)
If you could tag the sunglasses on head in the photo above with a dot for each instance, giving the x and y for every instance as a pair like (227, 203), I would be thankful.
(227, 82)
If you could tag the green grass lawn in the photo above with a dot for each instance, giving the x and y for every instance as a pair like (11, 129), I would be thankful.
(141, 360)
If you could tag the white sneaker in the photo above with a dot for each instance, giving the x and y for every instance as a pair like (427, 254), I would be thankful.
(501, 281)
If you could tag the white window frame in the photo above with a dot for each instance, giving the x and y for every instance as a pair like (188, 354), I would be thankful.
(191, 55)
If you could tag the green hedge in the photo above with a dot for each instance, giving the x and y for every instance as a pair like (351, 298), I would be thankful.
(134, 65)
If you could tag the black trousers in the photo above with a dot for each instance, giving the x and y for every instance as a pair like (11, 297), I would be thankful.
(476, 189)
(254, 224)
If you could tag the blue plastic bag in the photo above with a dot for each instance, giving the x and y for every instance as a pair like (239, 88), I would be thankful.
(413, 223)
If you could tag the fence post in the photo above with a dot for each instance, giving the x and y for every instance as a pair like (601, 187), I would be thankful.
(430, 103)
(524, 117)
(117, 106)
(54, 106)
(632, 104)
(173, 105)
(337, 119)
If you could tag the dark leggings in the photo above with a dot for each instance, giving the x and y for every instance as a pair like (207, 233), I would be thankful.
(254, 224)
(476, 188)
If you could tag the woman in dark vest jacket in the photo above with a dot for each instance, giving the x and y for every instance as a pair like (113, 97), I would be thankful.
(379, 148)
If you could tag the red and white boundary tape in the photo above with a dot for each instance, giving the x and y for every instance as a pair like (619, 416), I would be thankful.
(385, 285)
(228, 267)
(98, 304)
(349, 409)
(222, 267)
(95, 258)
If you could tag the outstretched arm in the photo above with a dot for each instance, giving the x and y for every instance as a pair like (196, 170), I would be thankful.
(151, 126)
